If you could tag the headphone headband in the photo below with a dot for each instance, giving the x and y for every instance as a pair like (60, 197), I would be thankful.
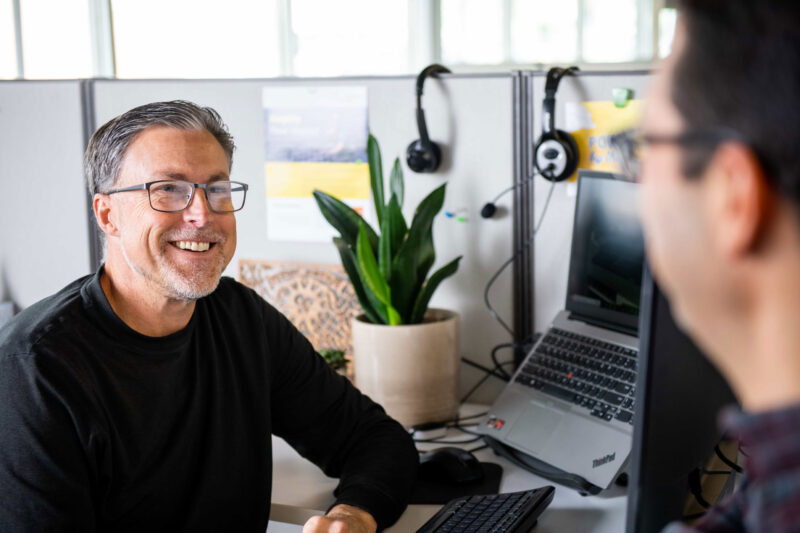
(423, 155)
(422, 127)
(430, 70)
(554, 76)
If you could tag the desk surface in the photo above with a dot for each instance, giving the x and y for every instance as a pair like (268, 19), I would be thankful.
(299, 484)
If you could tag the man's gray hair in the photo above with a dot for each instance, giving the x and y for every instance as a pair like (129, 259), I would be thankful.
(108, 144)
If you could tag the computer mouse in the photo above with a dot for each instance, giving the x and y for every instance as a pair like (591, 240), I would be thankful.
(450, 465)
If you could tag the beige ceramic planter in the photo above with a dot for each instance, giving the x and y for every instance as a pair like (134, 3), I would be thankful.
(412, 371)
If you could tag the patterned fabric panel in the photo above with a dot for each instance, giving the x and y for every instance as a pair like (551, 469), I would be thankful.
(318, 299)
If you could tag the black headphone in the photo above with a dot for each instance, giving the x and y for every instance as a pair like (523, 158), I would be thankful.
(423, 155)
(555, 155)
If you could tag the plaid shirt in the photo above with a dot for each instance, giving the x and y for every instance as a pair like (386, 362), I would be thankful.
(769, 498)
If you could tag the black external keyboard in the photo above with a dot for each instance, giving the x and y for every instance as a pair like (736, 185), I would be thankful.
(513, 512)
(597, 375)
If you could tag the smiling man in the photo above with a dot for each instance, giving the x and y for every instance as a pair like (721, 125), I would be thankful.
(144, 397)
(721, 213)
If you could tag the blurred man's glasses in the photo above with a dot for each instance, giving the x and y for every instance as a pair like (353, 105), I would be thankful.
(172, 196)
(632, 145)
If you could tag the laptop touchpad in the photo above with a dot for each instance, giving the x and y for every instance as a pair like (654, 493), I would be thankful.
(534, 428)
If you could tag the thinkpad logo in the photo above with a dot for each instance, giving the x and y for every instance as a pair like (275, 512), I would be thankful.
(603, 460)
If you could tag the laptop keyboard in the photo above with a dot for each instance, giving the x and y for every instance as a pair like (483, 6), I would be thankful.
(597, 375)
(514, 512)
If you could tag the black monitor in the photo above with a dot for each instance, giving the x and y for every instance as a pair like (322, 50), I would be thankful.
(678, 396)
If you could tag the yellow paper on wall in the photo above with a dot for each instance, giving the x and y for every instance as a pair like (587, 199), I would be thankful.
(592, 124)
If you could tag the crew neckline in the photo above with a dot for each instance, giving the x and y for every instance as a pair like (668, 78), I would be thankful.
(95, 298)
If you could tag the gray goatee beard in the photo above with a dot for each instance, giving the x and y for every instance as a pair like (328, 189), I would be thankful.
(176, 285)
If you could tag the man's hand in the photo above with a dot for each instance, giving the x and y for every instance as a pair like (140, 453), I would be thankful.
(342, 519)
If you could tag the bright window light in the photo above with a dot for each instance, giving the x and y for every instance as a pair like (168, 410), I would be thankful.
(472, 32)
(667, 18)
(56, 38)
(8, 45)
(544, 31)
(196, 38)
(610, 31)
(350, 37)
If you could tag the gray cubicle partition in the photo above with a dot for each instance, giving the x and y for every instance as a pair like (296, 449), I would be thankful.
(44, 235)
(553, 244)
(486, 124)
(469, 115)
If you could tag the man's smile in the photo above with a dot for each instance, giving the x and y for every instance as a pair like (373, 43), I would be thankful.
(194, 246)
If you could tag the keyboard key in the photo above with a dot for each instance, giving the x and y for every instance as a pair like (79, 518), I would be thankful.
(558, 392)
(624, 416)
(622, 388)
(613, 398)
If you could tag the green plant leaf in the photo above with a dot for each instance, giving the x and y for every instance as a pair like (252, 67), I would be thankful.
(424, 297)
(373, 281)
(426, 256)
(385, 248)
(344, 219)
(349, 263)
(396, 184)
(375, 176)
(416, 255)
(394, 317)
(398, 224)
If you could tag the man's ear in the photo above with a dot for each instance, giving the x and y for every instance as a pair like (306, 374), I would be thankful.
(741, 198)
(103, 213)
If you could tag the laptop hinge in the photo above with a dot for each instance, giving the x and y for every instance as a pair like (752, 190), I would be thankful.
(602, 324)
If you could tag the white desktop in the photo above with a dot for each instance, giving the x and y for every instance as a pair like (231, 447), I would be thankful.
(300, 489)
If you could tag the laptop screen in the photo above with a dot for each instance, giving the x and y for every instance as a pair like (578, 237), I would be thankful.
(605, 268)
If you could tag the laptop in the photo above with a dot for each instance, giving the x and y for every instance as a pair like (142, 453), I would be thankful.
(569, 406)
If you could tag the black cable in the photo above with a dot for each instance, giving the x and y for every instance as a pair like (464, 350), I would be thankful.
(727, 461)
(488, 370)
(483, 380)
(696, 488)
(473, 450)
(510, 260)
(475, 387)
(497, 364)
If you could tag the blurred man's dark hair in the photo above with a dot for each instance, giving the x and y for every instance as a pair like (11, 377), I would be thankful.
(740, 71)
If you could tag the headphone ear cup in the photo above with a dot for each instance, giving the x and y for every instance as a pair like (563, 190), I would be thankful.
(572, 148)
(422, 158)
(556, 155)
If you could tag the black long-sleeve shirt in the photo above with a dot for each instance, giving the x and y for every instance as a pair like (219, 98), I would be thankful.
(105, 429)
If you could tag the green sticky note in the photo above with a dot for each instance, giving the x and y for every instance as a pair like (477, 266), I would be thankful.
(621, 96)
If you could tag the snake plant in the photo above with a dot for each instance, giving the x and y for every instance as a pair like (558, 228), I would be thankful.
(389, 271)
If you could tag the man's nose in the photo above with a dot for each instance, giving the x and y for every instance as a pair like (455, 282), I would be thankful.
(198, 210)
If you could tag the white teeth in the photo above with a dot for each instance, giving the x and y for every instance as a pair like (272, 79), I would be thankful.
(193, 245)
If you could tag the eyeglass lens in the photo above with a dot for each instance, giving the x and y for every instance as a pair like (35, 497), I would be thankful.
(631, 149)
(224, 196)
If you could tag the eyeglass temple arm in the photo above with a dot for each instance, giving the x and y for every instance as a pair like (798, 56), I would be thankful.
(132, 188)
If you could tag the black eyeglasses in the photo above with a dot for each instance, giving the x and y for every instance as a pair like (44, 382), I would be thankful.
(173, 196)
(632, 144)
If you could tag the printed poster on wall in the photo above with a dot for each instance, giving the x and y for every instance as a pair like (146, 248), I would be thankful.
(593, 123)
(315, 138)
